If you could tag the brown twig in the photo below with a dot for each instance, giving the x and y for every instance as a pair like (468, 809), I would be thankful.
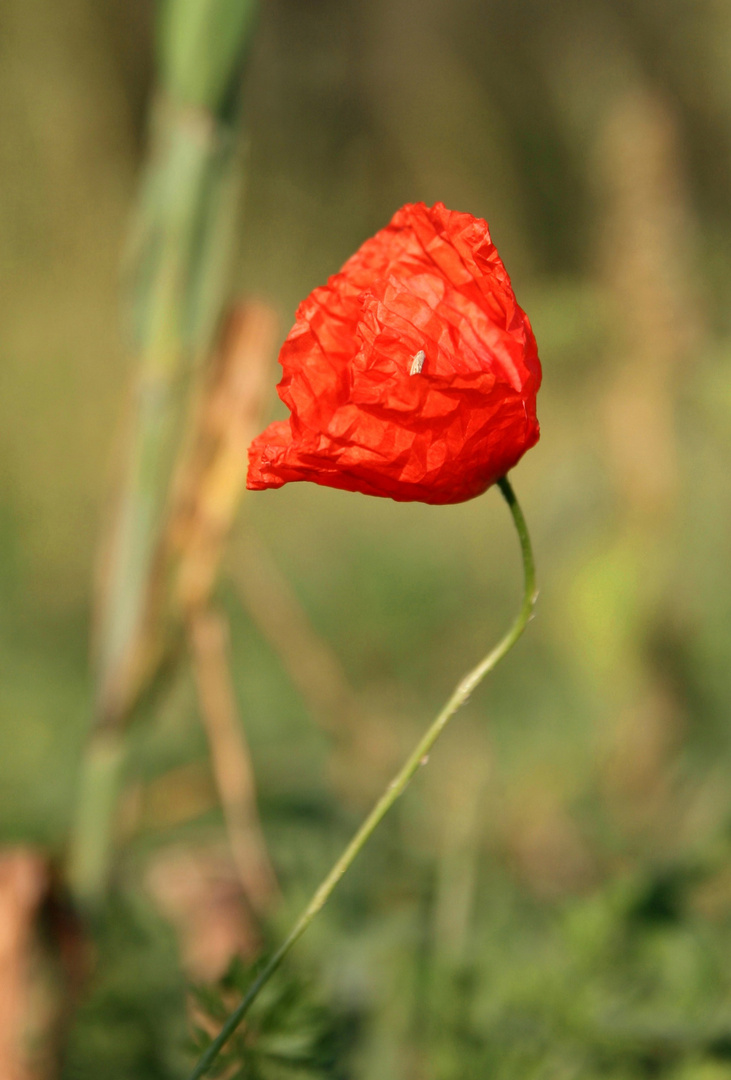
(208, 638)
(208, 493)
(210, 484)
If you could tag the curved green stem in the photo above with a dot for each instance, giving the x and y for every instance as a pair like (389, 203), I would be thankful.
(394, 789)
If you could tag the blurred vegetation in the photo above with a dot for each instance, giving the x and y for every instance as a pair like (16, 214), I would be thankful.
(553, 897)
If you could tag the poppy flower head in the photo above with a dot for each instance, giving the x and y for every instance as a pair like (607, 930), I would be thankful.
(411, 374)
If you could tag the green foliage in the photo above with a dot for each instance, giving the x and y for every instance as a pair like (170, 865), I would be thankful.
(627, 983)
(611, 985)
(288, 1034)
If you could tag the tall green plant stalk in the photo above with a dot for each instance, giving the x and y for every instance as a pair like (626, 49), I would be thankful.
(396, 788)
(179, 253)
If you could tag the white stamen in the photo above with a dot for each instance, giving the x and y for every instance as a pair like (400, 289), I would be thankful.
(418, 363)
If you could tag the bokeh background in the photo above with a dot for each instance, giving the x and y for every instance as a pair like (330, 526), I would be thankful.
(552, 898)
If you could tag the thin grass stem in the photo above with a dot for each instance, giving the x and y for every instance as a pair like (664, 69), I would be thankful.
(396, 788)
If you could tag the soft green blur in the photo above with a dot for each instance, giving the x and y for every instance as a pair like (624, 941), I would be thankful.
(553, 898)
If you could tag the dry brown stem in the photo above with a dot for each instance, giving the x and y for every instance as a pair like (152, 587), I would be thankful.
(208, 492)
(208, 637)
(211, 482)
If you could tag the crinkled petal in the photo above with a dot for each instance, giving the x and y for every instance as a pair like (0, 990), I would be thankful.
(431, 284)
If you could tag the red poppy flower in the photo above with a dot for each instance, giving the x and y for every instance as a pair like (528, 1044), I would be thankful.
(412, 374)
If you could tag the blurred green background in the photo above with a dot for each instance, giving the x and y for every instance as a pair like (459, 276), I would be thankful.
(553, 896)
